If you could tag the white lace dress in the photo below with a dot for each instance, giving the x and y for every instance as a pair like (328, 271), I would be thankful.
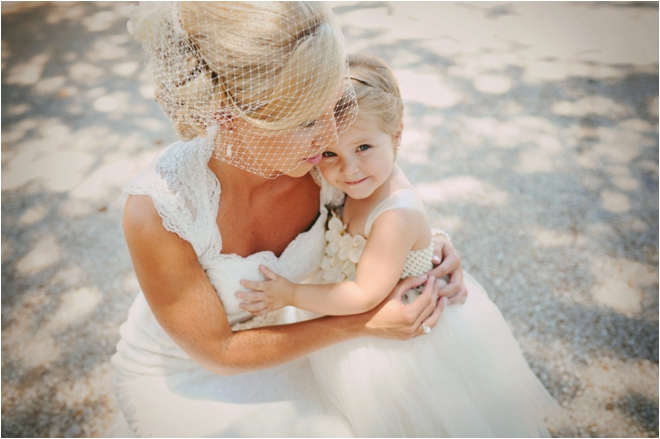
(161, 391)
(467, 378)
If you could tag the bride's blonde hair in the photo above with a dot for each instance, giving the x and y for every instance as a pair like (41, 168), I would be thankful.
(377, 91)
(274, 65)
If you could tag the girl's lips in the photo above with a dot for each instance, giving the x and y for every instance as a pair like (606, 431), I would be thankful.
(355, 182)
(315, 160)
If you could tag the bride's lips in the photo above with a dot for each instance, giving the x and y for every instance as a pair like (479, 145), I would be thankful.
(315, 160)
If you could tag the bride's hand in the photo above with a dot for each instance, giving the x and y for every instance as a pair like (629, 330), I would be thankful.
(395, 319)
(269, 295)
(448, 263)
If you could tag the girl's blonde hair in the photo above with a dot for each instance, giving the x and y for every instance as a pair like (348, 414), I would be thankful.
(377, 91)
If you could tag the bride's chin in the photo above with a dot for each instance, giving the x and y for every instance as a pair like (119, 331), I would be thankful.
(299, 171)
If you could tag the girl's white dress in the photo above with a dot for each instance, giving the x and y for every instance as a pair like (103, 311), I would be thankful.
(467, 378)
(445, 383)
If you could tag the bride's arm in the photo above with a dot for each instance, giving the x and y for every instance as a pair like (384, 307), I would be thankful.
(189, 310)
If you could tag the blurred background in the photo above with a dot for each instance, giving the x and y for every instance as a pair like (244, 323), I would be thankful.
(531, 132)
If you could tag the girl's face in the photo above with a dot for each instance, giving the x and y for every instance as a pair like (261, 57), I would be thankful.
(363, 158)
(295, 153)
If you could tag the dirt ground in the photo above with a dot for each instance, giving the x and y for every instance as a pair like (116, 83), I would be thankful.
(531, 132)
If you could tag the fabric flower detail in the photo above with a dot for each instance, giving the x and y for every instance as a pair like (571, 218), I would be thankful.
(342, 252)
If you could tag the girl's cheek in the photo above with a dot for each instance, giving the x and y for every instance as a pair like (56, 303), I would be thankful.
(327, 169)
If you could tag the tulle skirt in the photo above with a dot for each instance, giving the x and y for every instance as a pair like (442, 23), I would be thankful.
(467, 378)
(281, 401)
(163, 393)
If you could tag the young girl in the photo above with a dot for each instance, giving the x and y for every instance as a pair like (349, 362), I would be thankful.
(468, 377)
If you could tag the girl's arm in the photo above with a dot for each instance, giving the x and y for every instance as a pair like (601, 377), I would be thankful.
(393, 235)
(189, 310)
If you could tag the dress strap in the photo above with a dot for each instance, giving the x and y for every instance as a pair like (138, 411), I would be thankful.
(405, 198)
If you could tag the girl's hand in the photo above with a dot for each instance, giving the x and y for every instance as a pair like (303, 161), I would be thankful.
(448, 263)
(269, 295)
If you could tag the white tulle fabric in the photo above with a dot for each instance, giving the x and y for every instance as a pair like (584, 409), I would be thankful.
(161, 390)
(467, 378)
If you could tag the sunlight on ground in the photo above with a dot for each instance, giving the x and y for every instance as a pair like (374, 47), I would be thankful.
(74, 306)
(464, 188)
(618, 283)
(613, 380)
(555, 238)
(426, 88)
(44, 253)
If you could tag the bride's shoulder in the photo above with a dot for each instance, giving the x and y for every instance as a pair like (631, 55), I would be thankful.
(141, 219)
(177, 193)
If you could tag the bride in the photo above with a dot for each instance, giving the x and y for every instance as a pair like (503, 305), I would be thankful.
(256, 92)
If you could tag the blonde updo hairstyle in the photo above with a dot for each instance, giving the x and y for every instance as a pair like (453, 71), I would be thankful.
(377, 91)
(274, 65)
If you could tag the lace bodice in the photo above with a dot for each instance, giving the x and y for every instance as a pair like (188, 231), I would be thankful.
(343, 251)
(186, 194)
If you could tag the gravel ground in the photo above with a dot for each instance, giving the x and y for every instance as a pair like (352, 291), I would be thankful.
(531, 132)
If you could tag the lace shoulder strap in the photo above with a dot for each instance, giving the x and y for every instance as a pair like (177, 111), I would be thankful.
(399, 199)
(185, 192)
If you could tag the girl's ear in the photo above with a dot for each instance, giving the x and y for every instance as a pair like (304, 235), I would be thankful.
(397, 134)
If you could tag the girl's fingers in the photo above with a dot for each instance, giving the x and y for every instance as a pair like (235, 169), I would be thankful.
(251, 296)
(253, 285)
(270, 274)
(253, 307)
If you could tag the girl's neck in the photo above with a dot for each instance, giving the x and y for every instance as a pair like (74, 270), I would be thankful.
(394, 182)
(356, 211)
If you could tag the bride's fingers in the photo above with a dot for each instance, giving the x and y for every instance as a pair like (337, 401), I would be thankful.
(460, 297)
(432, 320)
(450, 264)
(424, 305)
(407, 284)
(434, 302)
(456, 290)
(450, 289)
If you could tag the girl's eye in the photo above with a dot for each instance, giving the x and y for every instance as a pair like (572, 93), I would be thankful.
(363, 147)
(329, 154)
(309, 124)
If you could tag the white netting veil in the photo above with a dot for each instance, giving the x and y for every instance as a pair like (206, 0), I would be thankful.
(268, 80)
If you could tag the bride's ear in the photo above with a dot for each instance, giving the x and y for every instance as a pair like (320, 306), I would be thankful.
(224, 120)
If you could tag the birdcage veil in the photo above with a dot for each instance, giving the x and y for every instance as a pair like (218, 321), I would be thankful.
(268, 80)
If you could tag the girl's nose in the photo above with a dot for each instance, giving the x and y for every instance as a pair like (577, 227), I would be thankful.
(349, 166)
